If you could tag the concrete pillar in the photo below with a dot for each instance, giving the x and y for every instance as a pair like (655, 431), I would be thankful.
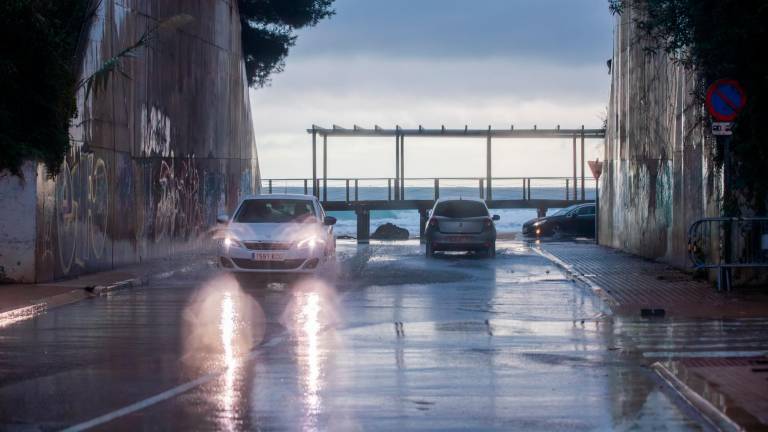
(423, 218)
(18, 225)
(363, 224)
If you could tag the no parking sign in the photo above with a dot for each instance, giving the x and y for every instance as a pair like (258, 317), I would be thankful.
(725, 100)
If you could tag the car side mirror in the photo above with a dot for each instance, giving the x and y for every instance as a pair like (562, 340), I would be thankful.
(222, 218)
(329, 220)
(572, 215)
(496, 217)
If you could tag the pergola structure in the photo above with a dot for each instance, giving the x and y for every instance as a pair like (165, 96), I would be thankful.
(488, 134)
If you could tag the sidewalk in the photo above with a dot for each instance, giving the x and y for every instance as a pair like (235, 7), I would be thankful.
(633, 285)
(22, 301)
(721, 370)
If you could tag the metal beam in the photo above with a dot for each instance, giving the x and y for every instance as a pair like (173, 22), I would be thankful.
(478, 133)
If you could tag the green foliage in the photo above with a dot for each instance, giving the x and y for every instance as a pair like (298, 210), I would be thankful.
(268, 32)
(721, 39)
(38, 39)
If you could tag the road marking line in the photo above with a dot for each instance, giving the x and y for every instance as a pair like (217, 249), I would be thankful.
(170, 393)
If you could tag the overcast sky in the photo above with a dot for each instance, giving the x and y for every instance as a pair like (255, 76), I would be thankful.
(439, 62)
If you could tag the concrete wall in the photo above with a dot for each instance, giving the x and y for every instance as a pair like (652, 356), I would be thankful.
(17, 225)
(659, 176)
(157, 154)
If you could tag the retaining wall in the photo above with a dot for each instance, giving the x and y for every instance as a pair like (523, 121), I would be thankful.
(157, 153)
(658, 175)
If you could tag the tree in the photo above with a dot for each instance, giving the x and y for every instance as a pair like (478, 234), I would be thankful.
(268, 32)
(38, 39)
(721, 39)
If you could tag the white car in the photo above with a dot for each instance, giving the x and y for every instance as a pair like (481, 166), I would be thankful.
(277, 234)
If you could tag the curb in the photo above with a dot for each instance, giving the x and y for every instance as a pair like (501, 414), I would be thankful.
(715, 418)
(43, 305)
(609, 300)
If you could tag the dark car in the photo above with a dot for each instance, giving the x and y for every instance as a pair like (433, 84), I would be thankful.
(576, 220)
(461, 225)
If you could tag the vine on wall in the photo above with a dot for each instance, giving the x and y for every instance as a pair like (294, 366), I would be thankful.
(720, 39)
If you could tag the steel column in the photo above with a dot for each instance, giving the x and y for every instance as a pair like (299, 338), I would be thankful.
(347, 190)
(482, 189)
(582, 163)
(575, 181)
(488, 157)
(306, 191)
(397, 165)
(402, 167)
(437, 189)
(325, 167)
(314, 162)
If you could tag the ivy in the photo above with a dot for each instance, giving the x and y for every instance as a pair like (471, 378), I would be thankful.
(721, 39)
(38, 39)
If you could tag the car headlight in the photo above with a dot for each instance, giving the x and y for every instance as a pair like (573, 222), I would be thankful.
(233, 242)
(538, 223)
(310, 243)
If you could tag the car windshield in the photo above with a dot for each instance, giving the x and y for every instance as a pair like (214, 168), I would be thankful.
(275, 211)
(461, 209)
(564, 211)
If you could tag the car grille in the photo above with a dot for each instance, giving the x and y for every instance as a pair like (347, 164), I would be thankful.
(268, 265)
(267, 245)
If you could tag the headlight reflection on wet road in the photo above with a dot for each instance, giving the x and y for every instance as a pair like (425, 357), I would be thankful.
(227, 327)
(310, 316)
(222, 325)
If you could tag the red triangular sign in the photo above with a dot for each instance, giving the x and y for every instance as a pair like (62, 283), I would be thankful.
(597, 168)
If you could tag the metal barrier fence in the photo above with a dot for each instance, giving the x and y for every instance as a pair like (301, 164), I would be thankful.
(355, 189)
(726, 243)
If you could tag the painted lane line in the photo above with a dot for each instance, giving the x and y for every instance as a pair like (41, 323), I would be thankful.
(170, 393)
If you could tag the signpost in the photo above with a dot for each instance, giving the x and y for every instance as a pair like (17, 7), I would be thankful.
(597, 169)
(725, 100)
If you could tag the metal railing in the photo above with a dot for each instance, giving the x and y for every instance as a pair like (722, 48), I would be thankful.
(424, 188)
(724, 243)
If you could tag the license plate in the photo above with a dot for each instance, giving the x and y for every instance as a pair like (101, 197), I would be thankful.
(459, 239)
(267, 256)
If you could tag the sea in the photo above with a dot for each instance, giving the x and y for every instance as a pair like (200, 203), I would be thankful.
(511, 220)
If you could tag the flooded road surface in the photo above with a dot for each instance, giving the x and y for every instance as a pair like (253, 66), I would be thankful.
(396, 342)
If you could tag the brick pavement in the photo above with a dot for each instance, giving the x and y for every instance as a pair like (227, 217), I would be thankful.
(631, 284)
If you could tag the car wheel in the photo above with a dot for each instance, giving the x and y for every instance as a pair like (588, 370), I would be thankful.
(557, 232)
(491, 252)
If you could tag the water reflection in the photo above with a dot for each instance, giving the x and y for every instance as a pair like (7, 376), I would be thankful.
(310, 317)
(222, 324)
(228, 327)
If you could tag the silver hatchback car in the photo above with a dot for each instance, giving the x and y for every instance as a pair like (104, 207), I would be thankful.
(461, 224)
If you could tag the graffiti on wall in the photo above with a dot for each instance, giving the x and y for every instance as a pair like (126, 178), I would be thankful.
(155, 132)
(81, 211)
(178, 212)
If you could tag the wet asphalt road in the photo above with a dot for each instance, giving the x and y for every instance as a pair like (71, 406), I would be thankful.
(396, 342)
